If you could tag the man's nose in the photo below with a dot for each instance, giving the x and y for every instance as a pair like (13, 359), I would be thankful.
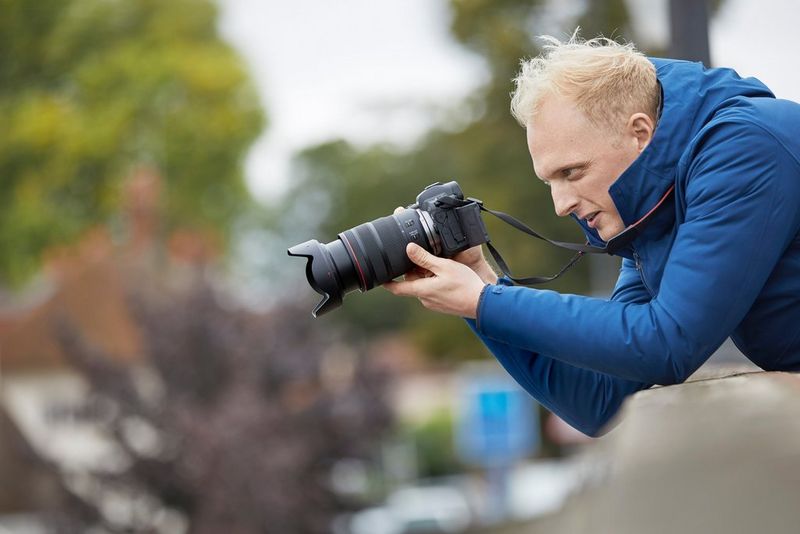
(565, 201)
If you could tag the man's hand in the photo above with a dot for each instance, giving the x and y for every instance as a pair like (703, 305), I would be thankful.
(440, 284)
(472, 258)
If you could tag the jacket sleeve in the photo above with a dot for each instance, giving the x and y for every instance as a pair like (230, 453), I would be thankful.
(742, 205)
(585, 399)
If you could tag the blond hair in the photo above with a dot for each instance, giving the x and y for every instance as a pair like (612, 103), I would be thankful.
(608, 81)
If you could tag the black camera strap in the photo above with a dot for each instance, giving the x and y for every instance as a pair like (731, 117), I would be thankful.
(530, 280)
(615, 244)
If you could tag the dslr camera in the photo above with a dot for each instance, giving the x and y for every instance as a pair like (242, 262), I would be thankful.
(441, 221)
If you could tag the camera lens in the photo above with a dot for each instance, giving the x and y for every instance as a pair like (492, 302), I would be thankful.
(365, 256)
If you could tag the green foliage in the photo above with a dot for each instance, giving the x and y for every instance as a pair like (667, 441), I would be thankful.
(344, 186)
(92, 89)
(607, 17)
(435, 446)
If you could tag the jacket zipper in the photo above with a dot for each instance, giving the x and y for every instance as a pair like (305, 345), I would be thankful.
(640, 268)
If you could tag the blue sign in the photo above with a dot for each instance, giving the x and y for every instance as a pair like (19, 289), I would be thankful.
(498, 421)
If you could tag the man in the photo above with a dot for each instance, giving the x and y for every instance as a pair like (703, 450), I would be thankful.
(706, 166)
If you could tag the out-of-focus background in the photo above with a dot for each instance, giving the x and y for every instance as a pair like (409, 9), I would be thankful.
(159, 367)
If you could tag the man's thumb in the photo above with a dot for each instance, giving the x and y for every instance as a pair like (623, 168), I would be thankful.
(420, 256)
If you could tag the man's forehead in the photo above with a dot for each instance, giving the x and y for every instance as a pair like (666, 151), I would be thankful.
(559, 134)
(552, 152)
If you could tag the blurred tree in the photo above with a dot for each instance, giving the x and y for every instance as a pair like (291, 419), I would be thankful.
(607, 17)
(37, 484)
(434, 442)
(237, 420)
(92, 89)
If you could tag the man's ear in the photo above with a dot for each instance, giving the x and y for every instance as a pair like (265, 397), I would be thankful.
(641, 127)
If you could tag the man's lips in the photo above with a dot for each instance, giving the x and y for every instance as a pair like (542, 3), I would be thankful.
(591, 218)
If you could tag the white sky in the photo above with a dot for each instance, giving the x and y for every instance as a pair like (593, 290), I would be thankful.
(365, 70)
(372, 70)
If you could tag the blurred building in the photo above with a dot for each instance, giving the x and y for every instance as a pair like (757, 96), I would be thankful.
(47, 399)
(49, 414)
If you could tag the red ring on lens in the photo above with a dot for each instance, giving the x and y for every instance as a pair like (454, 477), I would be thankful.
(355, 260)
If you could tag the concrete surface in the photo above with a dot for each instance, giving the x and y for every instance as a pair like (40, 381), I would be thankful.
(712, 455)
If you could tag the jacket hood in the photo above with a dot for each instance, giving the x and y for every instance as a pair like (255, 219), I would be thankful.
(691, 96)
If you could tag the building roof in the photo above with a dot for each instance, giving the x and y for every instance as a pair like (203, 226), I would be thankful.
(87, 294)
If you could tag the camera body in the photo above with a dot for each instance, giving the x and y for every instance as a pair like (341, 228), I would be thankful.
(456, 223)
(441, 221)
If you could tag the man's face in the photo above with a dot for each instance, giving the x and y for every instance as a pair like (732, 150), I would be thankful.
(580, 161)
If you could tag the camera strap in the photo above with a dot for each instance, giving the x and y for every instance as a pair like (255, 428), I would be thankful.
(615, 244)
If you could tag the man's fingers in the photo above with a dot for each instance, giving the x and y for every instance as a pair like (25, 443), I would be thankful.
(394, 287)
(416, 273)
(405, 288)
(422, 257)
(398, 210)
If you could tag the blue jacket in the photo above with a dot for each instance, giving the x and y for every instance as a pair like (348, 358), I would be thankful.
(721, 258)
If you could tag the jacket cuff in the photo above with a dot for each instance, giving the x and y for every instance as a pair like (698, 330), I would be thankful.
(484, 316)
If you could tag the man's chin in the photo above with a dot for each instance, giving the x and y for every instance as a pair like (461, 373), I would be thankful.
(606, 234)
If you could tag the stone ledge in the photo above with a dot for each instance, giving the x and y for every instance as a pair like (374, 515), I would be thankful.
(718, 454)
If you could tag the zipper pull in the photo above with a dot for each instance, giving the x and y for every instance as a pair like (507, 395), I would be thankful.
(640, 269)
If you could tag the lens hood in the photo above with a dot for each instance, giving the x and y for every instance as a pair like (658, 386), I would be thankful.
(321, 275)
